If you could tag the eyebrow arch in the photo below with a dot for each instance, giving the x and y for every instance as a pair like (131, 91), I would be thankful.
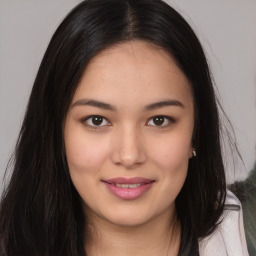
(93, 103)
(106, 106)
(164, 103)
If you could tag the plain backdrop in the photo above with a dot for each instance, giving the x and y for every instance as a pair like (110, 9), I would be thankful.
(226, 28)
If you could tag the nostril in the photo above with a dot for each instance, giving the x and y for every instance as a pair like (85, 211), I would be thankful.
(128, 151)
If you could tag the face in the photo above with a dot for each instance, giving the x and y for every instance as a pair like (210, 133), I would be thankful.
(128, 134)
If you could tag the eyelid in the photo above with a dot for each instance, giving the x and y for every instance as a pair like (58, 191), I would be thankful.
(85, 119)
(170, 119)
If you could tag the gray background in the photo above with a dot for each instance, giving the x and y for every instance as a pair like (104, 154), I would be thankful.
(226, 28)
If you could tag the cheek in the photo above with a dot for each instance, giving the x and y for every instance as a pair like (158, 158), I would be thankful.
(85, 161)
(171, 156)
(173, 160)
(172, 153)
(84, 153)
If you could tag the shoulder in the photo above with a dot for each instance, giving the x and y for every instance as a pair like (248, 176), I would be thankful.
(231, 199)
(229, 237)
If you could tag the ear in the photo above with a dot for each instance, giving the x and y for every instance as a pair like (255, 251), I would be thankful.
(191, 152)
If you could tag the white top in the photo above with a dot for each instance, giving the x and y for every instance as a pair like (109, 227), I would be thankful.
(229, 238)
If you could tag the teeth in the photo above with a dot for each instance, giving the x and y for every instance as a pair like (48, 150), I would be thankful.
(128, 185)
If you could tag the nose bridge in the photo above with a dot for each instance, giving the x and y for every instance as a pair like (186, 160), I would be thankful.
(129, 150)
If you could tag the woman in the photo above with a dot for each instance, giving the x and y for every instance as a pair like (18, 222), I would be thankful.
(119, 152)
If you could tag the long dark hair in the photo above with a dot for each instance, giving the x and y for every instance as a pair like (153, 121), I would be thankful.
(40, 210)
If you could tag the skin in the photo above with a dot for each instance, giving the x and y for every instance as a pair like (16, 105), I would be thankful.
(130, 143)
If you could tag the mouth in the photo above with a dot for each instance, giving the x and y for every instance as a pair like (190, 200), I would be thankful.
(128, 188)
(129, 185)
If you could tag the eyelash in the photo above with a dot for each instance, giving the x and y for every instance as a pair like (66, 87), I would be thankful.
(85, 121)
(167, 118)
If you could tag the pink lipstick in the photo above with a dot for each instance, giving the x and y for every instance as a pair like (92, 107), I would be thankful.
(128, 188)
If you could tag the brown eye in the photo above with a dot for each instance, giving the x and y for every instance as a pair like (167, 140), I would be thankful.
(96, 121)
(160, 121)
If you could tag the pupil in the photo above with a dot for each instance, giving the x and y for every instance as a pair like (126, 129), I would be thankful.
(158, 120)
(97, 120)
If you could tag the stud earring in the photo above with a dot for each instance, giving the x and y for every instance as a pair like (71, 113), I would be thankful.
(194, 153)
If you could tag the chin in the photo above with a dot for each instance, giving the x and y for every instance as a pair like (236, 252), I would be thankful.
(128, 221)
(131, 216)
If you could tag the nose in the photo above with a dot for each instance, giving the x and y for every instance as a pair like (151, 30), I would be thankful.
(129, 150)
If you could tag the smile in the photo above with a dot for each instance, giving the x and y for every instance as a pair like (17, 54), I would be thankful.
(128, 185)
(128, 188)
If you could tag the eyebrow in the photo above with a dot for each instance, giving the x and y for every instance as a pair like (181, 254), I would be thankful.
(164, 103)
(106, 106)
(93, 103)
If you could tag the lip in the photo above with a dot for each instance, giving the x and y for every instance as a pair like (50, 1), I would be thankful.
(133, 180)
(128, 193)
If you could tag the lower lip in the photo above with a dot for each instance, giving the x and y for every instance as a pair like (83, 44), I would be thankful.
(129, 193)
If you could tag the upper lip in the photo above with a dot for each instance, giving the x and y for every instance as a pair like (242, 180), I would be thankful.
(123, 180)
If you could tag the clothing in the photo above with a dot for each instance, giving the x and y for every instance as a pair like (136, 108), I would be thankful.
(246, 192)
(229, 238)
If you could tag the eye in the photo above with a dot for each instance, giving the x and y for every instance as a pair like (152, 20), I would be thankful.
(96, 121)
(160, 121)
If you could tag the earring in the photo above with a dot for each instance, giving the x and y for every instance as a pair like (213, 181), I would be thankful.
(194, 153)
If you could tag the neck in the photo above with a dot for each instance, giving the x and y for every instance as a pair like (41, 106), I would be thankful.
(160, 236)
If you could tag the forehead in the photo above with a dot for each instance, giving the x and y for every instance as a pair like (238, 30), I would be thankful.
(134, 71)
